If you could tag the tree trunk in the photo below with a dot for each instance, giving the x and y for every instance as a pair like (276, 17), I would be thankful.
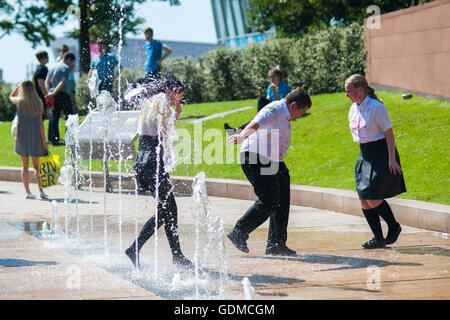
(85, 52)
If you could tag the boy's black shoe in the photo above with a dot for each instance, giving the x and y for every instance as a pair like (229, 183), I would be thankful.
(229, 129)
(375, 243)
(392, 235)
(280, 251)
(238, 242)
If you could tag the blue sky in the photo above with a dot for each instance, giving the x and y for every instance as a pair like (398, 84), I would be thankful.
(192, 21)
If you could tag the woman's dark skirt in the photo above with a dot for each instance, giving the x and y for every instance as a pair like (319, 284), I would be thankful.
(373, 179)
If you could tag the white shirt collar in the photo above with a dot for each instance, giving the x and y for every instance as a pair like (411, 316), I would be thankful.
(285, 109)
(364, 102)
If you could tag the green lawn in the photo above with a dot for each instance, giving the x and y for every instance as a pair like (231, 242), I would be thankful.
(322, 152)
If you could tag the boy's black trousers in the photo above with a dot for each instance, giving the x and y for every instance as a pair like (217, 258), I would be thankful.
(272, 187)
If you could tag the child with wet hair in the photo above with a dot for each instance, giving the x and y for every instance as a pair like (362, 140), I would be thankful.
(151, 170)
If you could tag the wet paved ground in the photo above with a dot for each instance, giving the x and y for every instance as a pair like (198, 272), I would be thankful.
(86, 264)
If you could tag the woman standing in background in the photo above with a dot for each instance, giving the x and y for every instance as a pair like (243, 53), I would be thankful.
(276, 90)
(30, 140)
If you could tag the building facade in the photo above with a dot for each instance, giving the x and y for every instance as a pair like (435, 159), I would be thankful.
(410, 50)
(232, 24)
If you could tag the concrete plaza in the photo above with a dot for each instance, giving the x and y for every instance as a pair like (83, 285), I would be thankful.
(89, 263)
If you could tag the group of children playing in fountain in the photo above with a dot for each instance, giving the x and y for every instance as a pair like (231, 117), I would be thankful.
(378, 174)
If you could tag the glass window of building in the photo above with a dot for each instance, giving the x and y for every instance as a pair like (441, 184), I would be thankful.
(237, 13)
(231, 22)
(229, 18)
(221, 28)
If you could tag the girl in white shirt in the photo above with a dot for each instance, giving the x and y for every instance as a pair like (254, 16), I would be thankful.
(150, 170)
(265, 142)
(378, 174)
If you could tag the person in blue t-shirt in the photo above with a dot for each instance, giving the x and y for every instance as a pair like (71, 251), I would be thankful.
(154, 59)
(105, 63)
(276, 90)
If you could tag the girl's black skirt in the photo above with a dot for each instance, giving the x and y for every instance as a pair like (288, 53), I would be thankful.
(373, 179)
(147, 168)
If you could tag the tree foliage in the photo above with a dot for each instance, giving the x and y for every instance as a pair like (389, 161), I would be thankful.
(294, 17)
(32, 20)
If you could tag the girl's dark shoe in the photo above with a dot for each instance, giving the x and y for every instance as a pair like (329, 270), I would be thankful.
(182, 262)
(392, 235)
(131, 253)
(375, 243)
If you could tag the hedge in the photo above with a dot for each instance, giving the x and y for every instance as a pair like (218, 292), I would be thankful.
(319, 62)
(7, 109)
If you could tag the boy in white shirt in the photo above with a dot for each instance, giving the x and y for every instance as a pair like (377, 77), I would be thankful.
(265, 142)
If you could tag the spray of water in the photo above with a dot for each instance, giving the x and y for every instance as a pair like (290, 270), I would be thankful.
(163, 116)
(214, 252)
(93, 83)
(118, 117)
(54, 226)
(91, 213)
(73, 158)
(249, 291)
(106, 106)
(65, 179)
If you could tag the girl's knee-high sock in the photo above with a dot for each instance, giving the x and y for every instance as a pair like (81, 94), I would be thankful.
(374, 222)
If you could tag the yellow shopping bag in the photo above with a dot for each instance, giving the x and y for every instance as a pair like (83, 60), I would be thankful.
(49, 170)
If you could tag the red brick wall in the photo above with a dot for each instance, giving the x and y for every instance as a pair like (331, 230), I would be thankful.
(411, 49)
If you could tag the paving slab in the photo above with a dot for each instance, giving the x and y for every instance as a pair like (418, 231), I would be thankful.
(88, 262)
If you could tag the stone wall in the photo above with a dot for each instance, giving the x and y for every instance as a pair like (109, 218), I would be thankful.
(411, 50)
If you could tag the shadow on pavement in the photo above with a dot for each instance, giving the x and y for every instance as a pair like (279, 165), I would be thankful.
(255, 279)
(348, 262)
(61, 200)
(23, 263)
(436, 251)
